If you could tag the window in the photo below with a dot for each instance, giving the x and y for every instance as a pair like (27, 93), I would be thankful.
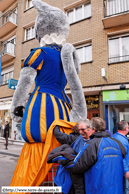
(29, 4)
(119, 49)
(117, 6)
(5, 77)
(85, 53)
(79, 13)
(29, 33)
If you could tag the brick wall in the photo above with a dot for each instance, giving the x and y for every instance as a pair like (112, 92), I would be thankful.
(92, 28)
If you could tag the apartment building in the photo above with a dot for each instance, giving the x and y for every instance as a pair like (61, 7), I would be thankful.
(100, 32)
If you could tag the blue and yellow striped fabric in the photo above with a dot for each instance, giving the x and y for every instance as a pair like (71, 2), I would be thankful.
(42, 109)
(48, 101)
(34, 60)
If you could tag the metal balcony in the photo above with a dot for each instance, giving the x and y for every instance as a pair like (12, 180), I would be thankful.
(116, 13)
(8, 51)
(5, 3)
(8, 22)
(5, 78)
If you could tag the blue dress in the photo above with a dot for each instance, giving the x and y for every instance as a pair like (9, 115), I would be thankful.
(48, 101)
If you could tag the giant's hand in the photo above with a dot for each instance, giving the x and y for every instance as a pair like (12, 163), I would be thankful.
(25, 82)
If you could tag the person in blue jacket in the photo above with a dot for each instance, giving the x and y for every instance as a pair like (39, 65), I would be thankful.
(77, 139)
(120, 135)
(101, 161)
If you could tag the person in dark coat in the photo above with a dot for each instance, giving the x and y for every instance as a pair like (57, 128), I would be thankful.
(6, 130)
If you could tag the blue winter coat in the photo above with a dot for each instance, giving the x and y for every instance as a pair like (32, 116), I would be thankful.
(101, 159)
(123, 139)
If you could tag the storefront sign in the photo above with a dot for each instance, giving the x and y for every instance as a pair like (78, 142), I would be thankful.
(92, 102)
(114, 95)
(12, 84)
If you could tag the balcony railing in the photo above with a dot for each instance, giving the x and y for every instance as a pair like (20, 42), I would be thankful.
(8, 51)
(9, 48)
(9, 16)
(118, 59)
(114, 7)
(8, 22)
(5, 78)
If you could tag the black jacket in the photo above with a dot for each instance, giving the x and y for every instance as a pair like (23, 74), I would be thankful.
(6, 130)
(64, 152)
(62, 155)
(63, 138)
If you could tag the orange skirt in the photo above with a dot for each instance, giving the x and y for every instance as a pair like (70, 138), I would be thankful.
(32, 166)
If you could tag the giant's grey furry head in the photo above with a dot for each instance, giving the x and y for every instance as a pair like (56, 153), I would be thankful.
(50, 20)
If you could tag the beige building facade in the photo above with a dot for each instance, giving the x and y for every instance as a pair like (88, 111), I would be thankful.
(100, 32)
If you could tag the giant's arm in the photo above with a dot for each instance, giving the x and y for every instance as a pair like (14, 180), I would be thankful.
(63, 138)
(27, 76)
(71, 67)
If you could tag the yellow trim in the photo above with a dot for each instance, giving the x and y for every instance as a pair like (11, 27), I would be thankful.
(109, 148)
(64, 113)
(23, 62)
(27, 127)
(110, 156)
(43, 118)
(34, 56)
(40, 66)
(56, 110)
(67, 109)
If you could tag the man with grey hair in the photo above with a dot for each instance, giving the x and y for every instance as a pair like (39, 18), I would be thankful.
(120, 135)
(77, 139)
(79, 136)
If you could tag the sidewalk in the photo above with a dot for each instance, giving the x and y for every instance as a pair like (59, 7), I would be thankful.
(14, 149)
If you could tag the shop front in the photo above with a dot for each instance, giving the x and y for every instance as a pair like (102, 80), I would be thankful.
(14, 127)
(92, 103)
(115, 108)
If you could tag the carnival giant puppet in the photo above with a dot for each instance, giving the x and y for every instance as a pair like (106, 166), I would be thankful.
(51, 65)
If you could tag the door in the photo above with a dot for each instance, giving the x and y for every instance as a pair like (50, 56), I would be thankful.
(124, 116)
(92, 113)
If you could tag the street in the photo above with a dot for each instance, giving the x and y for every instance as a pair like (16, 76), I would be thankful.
(8, 161)
(7, 167)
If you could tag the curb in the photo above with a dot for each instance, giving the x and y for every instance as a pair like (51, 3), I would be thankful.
(11, 141)
(10, 154)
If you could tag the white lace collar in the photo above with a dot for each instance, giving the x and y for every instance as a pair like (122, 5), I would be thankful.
(52, 39)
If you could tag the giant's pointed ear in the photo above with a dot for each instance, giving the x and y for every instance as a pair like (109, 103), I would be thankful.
(39, 5)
